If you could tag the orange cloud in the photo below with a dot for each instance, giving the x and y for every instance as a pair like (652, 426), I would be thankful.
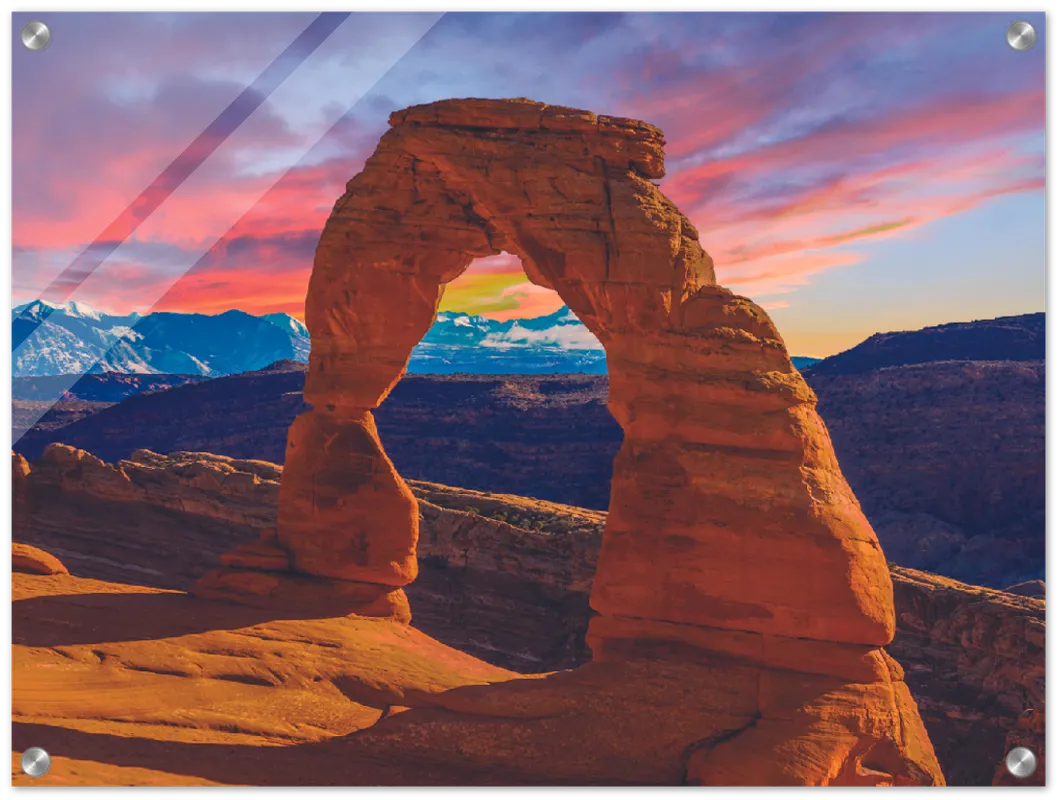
(782, 273)
(242, 288)
(531, 300)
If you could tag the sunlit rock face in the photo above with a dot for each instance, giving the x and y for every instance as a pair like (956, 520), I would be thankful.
(731, 529)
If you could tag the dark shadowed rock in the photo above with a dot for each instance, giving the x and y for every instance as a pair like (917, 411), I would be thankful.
(947, 460)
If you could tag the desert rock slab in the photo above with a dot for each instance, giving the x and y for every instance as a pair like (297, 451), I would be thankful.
(26, 558)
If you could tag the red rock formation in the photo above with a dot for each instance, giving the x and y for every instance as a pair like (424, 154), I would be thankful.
(147, 519)
(975, 662)
(260, 574)
(731, 530)
(725, 484)
(26, 558)
(19, 492)
(1033, 589)
(176, 510)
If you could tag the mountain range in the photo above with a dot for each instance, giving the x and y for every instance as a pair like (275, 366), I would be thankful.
(73, 338)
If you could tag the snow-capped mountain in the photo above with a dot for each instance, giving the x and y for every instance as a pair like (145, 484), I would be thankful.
(557, 342)
(72, 337)
(296, 329)
(561, 329)
(67, 338)
(292, 325)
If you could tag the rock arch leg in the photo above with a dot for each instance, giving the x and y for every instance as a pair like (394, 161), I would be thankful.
(730, 522)
(347, 522)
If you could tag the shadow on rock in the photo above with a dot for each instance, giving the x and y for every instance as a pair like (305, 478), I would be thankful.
(70, 619)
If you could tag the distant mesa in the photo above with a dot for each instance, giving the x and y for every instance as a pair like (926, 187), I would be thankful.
(96, 387)
(283, 365)
(1016, 338)
(1028, 589)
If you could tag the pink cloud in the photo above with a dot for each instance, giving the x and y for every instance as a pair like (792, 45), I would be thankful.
(784, 272)
(533, 301)
(948, 125)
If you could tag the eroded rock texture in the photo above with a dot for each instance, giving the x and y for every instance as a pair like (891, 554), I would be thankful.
(975, 662)
(947, 460)
(731, 530)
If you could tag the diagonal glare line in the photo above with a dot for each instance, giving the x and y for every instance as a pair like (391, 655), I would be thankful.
(17, 432)
(182, 167)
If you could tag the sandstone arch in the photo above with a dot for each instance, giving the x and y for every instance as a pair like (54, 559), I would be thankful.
(732, 537)
(728, 510)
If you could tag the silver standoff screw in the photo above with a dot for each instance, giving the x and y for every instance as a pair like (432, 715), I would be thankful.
(1021, 35)
(1021, 762)
(36, 762)
(36, 35)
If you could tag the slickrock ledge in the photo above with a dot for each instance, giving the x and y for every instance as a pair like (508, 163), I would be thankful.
(975, 660)
(26, 558)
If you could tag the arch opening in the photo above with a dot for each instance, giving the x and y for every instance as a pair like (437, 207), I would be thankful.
(492, 320)
(515, 405)
(497, 437)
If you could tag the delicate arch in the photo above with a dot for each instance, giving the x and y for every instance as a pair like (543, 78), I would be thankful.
(729, 517)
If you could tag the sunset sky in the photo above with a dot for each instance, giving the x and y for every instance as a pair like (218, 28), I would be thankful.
(852, 173)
